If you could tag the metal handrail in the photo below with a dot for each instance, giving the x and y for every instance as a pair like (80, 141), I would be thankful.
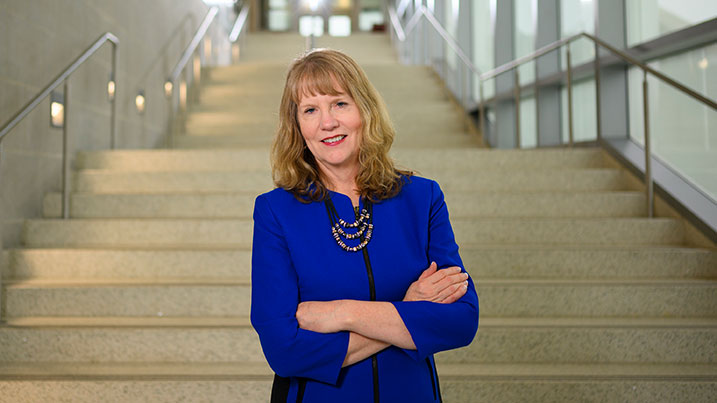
(62, 79)
(106, 37)
(171, 83)
(619, 53)
(192, 47)
(423, 11)
(513, 65)
(239, 24)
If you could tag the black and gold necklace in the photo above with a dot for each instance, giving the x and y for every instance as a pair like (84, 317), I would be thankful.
(363, 226)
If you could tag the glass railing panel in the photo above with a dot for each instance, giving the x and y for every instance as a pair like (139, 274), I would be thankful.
(683, 131)
(483, 39)
(524, 20)
(650, 19)
(528, 124)
(577, 16)
(584, 111)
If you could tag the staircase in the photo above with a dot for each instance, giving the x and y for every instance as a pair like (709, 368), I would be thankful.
(144, 294)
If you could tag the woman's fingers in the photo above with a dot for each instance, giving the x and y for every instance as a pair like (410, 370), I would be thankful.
(437, 285)
(440, 275)
(429, 271)
(453, 293)
(449, 280)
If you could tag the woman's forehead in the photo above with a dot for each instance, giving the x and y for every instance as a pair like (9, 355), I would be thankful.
(321, 85)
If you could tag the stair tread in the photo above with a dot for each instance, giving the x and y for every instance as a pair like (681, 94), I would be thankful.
(128, 321)
(15, 283)
(258, 370)
(243, 321)
(119, 282)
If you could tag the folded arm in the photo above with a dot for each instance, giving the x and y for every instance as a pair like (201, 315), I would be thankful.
(375, 325)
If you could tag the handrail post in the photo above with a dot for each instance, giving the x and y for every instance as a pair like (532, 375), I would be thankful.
(536, 90)
(570, 97)
(516, 90)
(65, 156)
(482, 110)
(648, 153)
(597, 92)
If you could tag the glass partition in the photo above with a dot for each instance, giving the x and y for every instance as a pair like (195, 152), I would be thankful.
(584, 112)
(483, 23)
(683, 131)
(578, 16)
(650, 19)
(524, 20)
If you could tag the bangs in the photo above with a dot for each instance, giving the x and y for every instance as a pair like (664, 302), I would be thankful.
(313, 80)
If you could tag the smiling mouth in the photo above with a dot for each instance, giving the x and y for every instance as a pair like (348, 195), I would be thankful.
(335, 139)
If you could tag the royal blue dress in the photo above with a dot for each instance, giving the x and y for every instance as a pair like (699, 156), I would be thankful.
(295, 259)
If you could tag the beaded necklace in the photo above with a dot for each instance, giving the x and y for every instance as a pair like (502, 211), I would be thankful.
(363, 226)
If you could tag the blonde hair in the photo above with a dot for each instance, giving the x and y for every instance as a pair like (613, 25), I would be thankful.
(293, 165)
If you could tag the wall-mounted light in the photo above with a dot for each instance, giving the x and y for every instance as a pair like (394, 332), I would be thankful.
(235, 52)
(168, 87)
(312, 4)
(139, 102)
(183, 94)
(197, 67)
(111, 87)
(57, 109)
(207, 48)
(703, 63)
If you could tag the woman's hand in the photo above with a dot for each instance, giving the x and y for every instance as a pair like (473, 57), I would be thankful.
(320, 316)
(444, 286)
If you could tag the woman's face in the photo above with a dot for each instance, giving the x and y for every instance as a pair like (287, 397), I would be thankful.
(331, 127)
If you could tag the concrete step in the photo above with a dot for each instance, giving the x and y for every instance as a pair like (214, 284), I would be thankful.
(128, 297)
(542, 205)
(225, 382)
(175, 160)
(578, 382)
(188, 233)
(449, 160)
(261, 130)
(200, 205)
(107, 181)
(588, 262)
(583, 180)
(597, 298)
(576, 231)
(240, 205)
(508, 262)
(110, 181)
(569, 340)
(105, 264)
(129, 340)
(235, 138)
(232, 339)
(138, 233)
(163, 382)
(230, 297)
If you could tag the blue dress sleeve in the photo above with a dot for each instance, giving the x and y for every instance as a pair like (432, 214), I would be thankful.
(290, 351)
(438, 327)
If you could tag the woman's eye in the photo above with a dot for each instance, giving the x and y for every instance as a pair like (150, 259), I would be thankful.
(342, 104)
(309, 110)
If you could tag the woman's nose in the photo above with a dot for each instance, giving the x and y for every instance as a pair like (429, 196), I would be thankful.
(328, 121)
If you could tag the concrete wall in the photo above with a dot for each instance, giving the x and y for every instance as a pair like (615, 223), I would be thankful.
(38, 39)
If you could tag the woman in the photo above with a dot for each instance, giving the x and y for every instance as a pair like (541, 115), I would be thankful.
(347, 297)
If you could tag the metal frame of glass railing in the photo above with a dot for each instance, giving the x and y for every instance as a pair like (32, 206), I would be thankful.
(63, 79)
(401, 35)
(178, 100)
